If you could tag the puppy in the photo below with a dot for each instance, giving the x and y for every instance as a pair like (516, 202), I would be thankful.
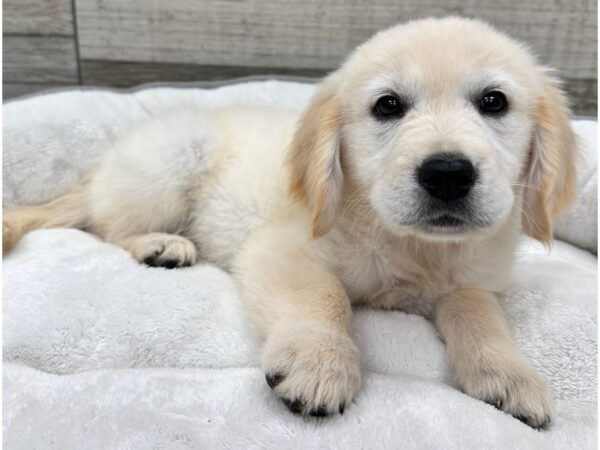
(404, 184)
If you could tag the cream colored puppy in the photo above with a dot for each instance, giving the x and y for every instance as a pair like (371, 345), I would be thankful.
(405, 184)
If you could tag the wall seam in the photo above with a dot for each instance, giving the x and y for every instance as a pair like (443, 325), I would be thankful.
(76, 36)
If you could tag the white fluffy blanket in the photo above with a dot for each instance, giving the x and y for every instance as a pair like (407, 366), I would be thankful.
(100, 352)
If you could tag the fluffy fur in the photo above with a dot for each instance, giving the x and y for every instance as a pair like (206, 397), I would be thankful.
(317, 214)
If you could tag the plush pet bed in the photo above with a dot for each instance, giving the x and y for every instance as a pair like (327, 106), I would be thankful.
(100, 352)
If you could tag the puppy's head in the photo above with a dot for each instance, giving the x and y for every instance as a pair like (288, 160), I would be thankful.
(445, 126)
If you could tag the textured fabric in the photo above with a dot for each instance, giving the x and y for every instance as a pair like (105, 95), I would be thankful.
(101, 352)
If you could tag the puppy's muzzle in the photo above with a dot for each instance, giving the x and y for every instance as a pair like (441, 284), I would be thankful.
(447, 177)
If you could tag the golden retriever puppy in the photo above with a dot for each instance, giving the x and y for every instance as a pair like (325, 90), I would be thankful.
(405, 184)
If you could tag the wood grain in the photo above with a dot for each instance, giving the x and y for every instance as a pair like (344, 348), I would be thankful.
(315, 34)
(39, 60)
(41, 17)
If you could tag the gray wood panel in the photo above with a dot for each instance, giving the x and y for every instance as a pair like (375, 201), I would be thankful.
(39, 60)
(126, 74)
(45, 17)
(10, 90)
(315, 34)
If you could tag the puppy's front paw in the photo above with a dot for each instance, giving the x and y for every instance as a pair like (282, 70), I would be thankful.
(515, 388)
(314, 370)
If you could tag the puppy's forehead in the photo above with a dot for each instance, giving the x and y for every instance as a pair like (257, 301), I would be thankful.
(439, 55)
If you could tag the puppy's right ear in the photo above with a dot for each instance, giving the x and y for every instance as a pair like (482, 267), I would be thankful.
(316, 171)
(550, 178)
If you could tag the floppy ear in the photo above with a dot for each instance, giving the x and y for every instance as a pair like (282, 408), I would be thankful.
(550, 175)
(316, 171)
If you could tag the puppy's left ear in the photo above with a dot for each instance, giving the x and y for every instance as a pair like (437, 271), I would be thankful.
(550, 175)
(314, 158)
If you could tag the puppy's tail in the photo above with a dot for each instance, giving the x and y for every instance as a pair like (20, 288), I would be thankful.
(70, 210)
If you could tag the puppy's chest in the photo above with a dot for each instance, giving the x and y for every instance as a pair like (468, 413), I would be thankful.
(393, 280)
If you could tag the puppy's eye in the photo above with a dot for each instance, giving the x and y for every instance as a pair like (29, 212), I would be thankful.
(494, 102)
(389, 106)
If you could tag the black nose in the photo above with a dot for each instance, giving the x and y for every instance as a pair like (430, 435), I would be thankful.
(447, 177)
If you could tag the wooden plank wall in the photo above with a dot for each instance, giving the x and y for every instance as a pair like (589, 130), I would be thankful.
(39, 50)
(123, 43)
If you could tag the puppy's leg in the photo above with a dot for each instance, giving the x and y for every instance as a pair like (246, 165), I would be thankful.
(143, 194)
(145, 221)
(485, 360)
(304, 315)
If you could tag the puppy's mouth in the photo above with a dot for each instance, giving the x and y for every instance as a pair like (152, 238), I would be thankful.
(446, 221)
(446, 224)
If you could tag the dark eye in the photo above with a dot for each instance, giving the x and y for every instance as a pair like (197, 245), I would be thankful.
(388, 106)
(493, 102)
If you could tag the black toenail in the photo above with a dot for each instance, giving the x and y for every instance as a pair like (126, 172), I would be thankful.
(273, 379)
(523, 419)
(321, 411)
(543, 424)
(294, 406)
(495, 402)
(150, 261)
(169, 263)
(342, 408)
(536, 426)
